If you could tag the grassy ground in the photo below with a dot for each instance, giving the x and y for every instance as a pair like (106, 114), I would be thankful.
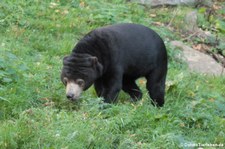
(34, 113)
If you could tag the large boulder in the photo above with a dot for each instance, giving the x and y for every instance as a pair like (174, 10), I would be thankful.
(197, 61)
(155, 3)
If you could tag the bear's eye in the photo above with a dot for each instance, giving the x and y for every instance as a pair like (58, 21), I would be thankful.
(65, 80)
(80, 82)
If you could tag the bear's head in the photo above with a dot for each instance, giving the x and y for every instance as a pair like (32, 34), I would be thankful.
(79, 72)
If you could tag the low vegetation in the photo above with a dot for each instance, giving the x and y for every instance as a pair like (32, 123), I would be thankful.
(34, 113)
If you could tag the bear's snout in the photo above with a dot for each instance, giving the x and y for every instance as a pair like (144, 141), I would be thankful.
(73, 90)
(70, 96)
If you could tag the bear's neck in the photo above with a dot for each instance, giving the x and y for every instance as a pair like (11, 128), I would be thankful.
(93, 47)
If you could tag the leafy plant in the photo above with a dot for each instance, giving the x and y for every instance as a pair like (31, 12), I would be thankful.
(11, 68)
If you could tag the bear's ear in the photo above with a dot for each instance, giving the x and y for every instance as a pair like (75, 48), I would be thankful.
(65, 59)
(94, 60)
(99, 69)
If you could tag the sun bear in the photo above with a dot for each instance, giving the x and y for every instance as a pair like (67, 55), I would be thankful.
(113, 58)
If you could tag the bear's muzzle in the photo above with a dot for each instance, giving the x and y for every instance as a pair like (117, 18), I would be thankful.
(73, 90)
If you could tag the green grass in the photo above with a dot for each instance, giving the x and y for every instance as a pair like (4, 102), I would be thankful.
(34, 113)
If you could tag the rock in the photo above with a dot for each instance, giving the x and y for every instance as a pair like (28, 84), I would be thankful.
(190, 22)
(199, 62)
(155, 3)
(191, 27)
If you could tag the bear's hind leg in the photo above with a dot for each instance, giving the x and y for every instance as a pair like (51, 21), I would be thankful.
(130, 87)
(156, 86)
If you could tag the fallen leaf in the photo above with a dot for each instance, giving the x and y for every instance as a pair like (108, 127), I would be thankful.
(152, 15)
(142, 81)
(49, 104)
(53, 5)
(82, 4)
(201, 47)
(157, 23)
(211, 99)
(65, 12)
(182, 125)
(57, 10)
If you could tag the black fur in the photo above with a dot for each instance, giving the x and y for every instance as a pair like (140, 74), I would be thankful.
(113, 57)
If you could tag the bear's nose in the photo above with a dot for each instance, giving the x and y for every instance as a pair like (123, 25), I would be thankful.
(70, 96)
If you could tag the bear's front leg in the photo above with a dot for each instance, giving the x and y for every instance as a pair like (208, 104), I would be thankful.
(99, 88)
(112, 87)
